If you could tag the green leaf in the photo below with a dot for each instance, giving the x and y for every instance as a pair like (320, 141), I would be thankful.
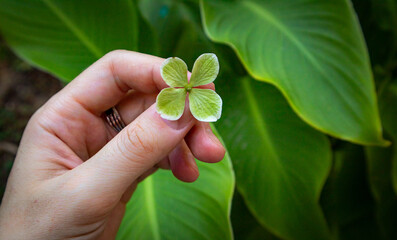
(65, 37)
(164, 208)
(281, 163)
(170, 103)
(205, 70)
(205, 104)
(313, 51)
(174, 72)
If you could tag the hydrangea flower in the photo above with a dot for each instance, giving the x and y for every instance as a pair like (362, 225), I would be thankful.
(205, 104)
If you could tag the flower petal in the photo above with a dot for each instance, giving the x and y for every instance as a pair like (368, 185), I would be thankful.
(174, 72)
(171, 103)
(205, 70)
(205, 104)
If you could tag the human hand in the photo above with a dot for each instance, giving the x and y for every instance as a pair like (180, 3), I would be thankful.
(73, 175)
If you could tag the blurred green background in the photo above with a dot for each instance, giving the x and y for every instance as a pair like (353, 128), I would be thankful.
(354, 200)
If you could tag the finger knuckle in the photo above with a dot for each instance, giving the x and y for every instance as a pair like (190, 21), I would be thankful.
(115, 53)
(140, 141)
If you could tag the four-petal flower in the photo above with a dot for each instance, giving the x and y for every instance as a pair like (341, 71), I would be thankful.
(205, 105)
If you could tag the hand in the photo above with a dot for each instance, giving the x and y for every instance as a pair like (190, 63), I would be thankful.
(73, 175)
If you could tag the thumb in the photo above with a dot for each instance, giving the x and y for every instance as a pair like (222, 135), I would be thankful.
(136, 149)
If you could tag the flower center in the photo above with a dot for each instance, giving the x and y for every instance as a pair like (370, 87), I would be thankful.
(188, 88)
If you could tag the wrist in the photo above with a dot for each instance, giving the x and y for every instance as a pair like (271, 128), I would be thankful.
(13, 225)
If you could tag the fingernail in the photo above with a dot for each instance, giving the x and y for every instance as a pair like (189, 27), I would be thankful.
(181, 123)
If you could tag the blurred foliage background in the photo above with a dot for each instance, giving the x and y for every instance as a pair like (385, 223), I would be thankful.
(23, 89)
(347, 190)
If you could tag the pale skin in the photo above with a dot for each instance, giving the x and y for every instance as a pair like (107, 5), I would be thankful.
(73, 174)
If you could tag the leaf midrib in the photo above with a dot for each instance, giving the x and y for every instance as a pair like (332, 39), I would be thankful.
(74, 29)
(260, 121)
(264, 13)
(151, 207)
(258, 118)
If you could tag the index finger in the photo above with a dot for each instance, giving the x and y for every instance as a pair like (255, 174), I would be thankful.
(105, 83)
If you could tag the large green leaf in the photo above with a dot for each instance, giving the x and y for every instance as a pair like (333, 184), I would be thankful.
(65, 37)
(313, 51)
(165, 208)
(280, 162)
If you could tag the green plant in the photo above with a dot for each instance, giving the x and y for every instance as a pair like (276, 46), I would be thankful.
(204, 104)
(300, 116)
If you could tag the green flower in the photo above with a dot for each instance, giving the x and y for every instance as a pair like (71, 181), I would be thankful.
(205, 105)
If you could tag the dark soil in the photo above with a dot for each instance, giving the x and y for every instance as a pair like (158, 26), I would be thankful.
(23, 89)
